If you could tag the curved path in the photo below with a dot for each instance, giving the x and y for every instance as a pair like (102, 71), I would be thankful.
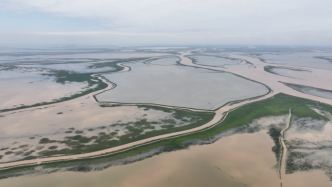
(282, 166)
(217, 118)
(110, 85)
(257, 74)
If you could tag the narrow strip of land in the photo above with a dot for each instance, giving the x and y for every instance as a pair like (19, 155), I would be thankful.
(219, 115)
(273, 81)
(282, 165)
(256, 74)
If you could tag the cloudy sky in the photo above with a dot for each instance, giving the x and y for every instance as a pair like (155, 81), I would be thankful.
(166, 22)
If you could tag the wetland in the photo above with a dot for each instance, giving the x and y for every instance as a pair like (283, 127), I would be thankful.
(165, 116)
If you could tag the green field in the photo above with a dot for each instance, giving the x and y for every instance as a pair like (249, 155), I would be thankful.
(275, 106)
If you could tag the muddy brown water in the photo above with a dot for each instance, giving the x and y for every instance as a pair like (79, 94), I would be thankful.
(237, 160)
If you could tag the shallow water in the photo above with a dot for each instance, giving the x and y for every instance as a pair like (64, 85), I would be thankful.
(28, 127)
(28, 86)
(164, 61)
(293, 73)
(12, 56)
(109, 55)
(214, 61)
(162, 47)
(236, 160)
(179, 86)
(312, 91)
(309, 142)
(76, 67)
(306, 59)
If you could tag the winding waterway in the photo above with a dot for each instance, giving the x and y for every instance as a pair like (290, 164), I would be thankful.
(256, 74)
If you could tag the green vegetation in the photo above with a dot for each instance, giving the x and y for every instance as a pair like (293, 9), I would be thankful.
(303, 111)
(296, 161)
(275, 106)
(28, 153)
(135, 130)
(274, 132)
(324, 58)
(46, 140)
(53, 147)
(302, 153)
(9, 152)
(307, 89)
(194, 60)
(271, 69)
(114, 63)
(78, 132)
(100, 85)
(63, 77)
(278, 105)
(324, 107)
(179, 114)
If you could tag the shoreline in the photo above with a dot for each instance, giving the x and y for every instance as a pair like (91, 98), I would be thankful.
(220, 113)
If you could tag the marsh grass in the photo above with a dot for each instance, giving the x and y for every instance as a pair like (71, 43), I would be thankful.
(100, 85)
(275, 106)
(275, 134)
(63, 77)
(135, 132)
(304, 111)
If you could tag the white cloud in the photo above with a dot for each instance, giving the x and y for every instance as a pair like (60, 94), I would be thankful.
(190, 17)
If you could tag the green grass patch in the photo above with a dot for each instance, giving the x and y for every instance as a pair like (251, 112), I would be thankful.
(275, 106)
(104, 141)
(304, 111)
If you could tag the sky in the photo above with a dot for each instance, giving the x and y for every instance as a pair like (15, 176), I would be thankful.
(167, 22)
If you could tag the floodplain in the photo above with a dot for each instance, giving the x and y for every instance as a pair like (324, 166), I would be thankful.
(182, 116)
